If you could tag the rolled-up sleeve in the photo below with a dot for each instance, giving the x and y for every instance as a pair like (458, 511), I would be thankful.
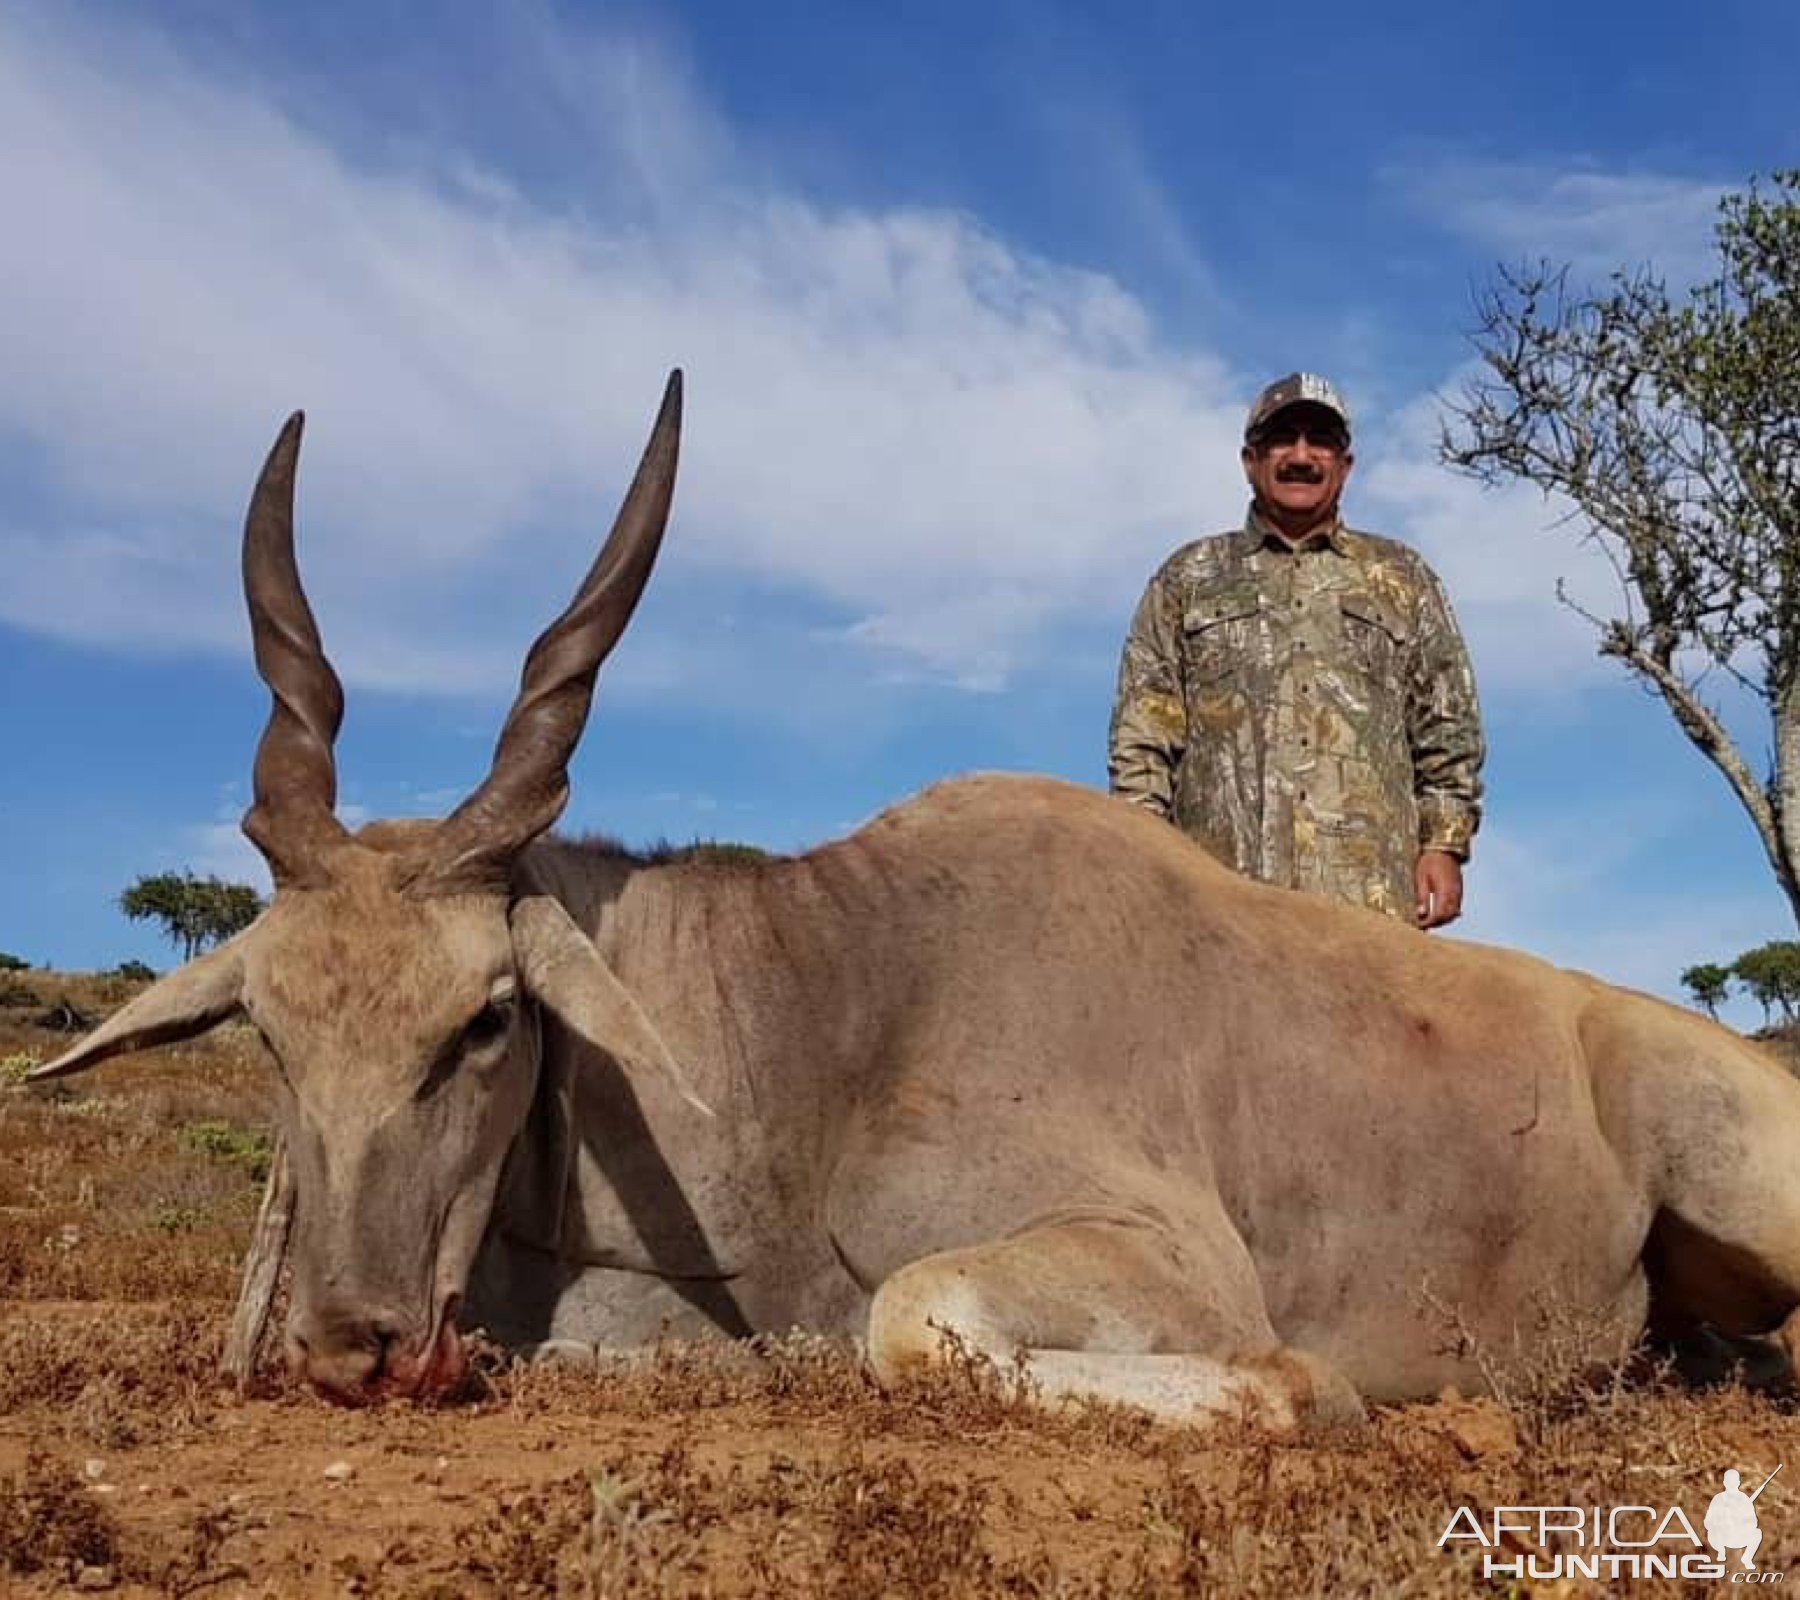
(1149, 721)
(1444, 728)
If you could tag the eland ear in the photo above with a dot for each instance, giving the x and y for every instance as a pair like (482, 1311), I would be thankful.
(568, 977)
(188, 1001)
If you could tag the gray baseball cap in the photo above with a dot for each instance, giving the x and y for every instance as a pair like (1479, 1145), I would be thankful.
(1296, 389)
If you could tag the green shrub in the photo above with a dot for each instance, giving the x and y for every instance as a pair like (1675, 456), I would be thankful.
(177, 1219)
(231, 1145)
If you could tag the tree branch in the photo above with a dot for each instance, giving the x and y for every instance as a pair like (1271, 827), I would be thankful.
(1709, 736)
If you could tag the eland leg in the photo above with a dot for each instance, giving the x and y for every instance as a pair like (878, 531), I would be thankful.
(1116, 1310)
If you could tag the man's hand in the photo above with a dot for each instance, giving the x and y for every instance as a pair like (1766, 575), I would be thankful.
(1438, 881)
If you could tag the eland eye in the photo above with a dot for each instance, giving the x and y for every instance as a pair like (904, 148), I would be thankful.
(487, 1028)
(488, 1025)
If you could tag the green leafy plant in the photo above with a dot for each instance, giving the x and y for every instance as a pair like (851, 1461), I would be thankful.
(177, 1219)
(227, 1143)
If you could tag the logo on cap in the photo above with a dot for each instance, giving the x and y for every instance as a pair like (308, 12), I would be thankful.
(1297, 388)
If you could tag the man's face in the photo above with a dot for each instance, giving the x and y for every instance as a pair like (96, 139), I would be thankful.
(1298, 464)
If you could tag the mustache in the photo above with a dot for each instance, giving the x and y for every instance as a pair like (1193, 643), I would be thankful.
(1300, 472)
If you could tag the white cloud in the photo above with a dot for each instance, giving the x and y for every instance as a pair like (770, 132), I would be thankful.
(942, 440)
(928, 453)
(220, 850)
(1599, 221)
(1500, 553)
(1610, 892)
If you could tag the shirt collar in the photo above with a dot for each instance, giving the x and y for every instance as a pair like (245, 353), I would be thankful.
(1259, 535)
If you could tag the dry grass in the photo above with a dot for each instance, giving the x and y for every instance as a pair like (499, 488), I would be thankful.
(50, 1524)
(109, 1186)
(781, 1470)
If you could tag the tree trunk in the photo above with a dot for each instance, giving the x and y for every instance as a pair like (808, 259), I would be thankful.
(1773, 807)
(1784, 794)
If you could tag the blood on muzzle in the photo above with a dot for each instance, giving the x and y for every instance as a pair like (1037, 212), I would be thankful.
(357, 1360)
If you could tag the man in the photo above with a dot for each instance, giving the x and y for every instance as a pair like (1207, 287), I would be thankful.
(1296, 696)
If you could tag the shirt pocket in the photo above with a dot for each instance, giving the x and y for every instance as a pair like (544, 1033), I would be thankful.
(1376, 637)
(1218, 638)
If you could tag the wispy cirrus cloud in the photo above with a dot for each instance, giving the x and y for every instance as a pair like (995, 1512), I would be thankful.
(926, 452)
(1502, 554)
(932, 442)
(1598, 220)
(1583, 891)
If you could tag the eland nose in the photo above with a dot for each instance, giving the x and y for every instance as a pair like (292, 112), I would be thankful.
(346, 1357)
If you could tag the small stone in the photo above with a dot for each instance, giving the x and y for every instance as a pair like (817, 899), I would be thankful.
(338, 1471)
(94, 1467)
(91, 1580)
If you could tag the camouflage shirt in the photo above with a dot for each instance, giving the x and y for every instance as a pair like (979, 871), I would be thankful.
(1308, 714)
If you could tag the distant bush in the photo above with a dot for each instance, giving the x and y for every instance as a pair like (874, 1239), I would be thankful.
(707, 850)
(1709, 984)
(11, 963)
(133, 971)
(1769, 975)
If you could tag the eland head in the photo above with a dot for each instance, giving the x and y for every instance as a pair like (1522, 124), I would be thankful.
(397, 973)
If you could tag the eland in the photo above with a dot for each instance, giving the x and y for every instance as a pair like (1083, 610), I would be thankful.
(1014, 1061)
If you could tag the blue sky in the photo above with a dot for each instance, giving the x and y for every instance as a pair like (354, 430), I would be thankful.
(971, 300)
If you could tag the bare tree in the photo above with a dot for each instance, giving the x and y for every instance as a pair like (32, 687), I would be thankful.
(1671, 426)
